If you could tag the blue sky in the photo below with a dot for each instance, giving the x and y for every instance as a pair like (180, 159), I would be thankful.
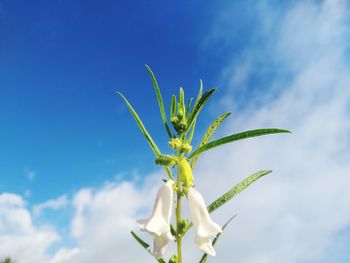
(70, 150)
(62, 62)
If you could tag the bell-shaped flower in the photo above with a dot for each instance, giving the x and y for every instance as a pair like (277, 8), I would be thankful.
(158, 224)
(205, 227)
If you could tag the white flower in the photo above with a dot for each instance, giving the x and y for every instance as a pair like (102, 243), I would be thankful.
(205, 227)
(158, 224)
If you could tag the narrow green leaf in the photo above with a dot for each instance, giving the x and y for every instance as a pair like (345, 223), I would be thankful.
(223, 227)
(139, 239)
(160, 101)
(182, 97)
(236, 190)
(173, 107)
(190, 137)
(188, 107)
(199, 93)
(146, 246)
(198, 107)
(236, 137)
(209, 133)
(205, 256)
(141, 126)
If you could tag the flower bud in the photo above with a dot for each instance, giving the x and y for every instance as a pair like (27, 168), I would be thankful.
(173, 259)
(175, 143)
(174, 120)
(166, 160)
(181, 105)
(185, 173)
(173, 230)
(180, 112)
(182, 226)
(186, 148)
(182, 125)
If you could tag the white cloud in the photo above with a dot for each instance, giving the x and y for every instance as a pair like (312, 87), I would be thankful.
(104, 218)
(296, 213)
(65, 255)
(19, 238)
(100, 227)
(55, 204)
(81, 201)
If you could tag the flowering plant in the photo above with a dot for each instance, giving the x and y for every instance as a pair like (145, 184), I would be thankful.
(183, 118)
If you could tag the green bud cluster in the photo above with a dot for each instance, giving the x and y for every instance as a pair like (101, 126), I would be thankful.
(179, 120)
(183, 225)
(180, 146)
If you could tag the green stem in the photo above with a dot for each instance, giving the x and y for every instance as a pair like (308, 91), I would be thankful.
(178, 216)
(178, 221)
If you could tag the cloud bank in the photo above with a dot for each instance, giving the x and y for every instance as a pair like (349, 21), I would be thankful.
(19, 237)
(298, 213)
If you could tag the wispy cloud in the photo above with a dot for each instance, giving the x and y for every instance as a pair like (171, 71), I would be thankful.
(30, 174)
(55, 204)
(295, 214)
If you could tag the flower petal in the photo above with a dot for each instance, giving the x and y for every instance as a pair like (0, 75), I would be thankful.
(203, 224)
(205, 245)
(161, 243)
(158, 224)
